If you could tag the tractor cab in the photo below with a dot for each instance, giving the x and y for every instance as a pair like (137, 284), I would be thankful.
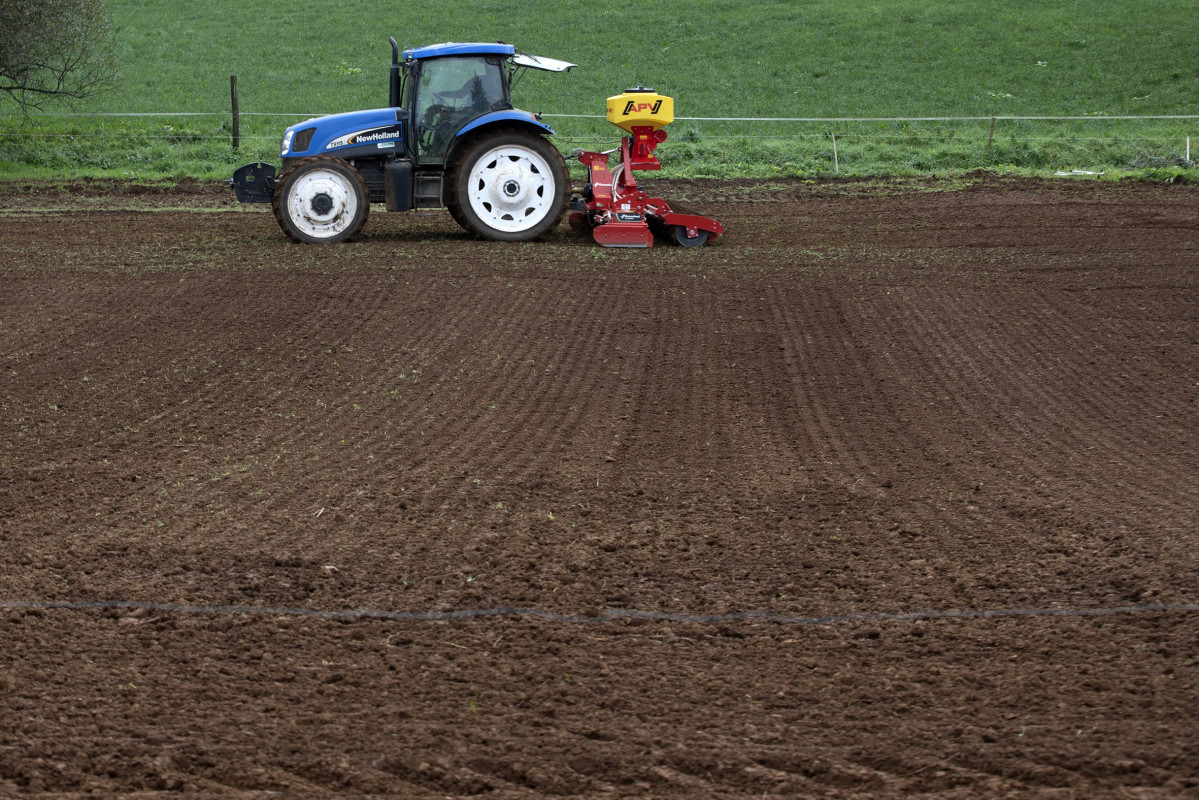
(450, 85)
(449, 91)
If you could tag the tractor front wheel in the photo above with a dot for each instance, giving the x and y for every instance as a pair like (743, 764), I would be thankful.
(321, 199)
(509, 186)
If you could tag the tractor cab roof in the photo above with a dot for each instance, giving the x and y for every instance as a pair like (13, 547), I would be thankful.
(460, 49)
(487, 49)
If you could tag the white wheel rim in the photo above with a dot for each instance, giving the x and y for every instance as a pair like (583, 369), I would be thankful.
(322, 203)
(511, 188)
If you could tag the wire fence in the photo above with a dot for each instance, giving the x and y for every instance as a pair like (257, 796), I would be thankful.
(792, 144)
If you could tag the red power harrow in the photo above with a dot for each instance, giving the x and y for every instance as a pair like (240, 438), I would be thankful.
(611, 204)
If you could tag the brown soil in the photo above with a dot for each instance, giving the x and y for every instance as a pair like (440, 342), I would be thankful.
(864, 402)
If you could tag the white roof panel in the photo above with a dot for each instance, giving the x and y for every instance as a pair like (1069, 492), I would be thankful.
(541, 62)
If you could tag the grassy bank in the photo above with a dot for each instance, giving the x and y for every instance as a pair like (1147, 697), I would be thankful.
(823, 58)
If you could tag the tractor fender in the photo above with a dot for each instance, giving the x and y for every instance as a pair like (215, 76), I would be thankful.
(479, 126)
(520, 118)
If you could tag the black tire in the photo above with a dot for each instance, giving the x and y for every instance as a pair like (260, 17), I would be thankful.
(509, 185)
(321, 199)
(680, 237)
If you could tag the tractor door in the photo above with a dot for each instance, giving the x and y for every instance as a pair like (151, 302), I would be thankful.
(450, 92)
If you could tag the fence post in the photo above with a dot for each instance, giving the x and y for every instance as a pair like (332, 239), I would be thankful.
(991, 133)
(236, 113)
(836, 160)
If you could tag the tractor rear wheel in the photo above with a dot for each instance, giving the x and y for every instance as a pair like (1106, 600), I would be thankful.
(321, 199)
(510, 186)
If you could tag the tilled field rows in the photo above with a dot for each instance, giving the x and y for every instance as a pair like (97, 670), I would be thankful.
(860, 401)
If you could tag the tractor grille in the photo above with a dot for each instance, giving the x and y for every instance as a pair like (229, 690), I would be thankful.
(302, 139)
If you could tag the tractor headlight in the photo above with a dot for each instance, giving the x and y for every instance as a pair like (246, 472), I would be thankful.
(286, 142)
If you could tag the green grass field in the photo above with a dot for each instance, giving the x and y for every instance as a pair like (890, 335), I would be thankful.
(811, 58)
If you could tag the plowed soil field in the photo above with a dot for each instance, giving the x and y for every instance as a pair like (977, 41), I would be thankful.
(893, 491)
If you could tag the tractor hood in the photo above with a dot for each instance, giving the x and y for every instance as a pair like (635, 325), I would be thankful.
(380, 128)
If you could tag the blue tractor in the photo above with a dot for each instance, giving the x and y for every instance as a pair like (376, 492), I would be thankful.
(449, 138)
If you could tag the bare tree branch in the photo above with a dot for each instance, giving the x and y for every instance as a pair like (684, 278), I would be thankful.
(55, 50)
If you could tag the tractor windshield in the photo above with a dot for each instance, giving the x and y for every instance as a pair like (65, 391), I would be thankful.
(452, 91)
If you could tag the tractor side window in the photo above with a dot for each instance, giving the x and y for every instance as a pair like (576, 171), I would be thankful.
(453, 91)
